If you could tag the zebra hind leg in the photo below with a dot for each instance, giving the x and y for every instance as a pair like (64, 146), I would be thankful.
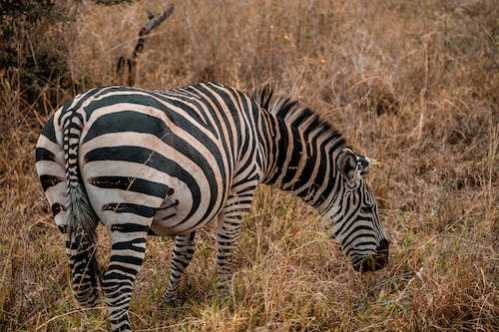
(127, 255)
(181, 257)
(85, 275)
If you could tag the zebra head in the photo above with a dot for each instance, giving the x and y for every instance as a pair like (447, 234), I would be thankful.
(354, 214)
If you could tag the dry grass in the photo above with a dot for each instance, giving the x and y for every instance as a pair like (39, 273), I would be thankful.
(413, 84)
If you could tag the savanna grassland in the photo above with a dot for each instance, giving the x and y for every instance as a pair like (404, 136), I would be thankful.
(412, 84)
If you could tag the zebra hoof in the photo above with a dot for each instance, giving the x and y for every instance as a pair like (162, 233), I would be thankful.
(222, 295)
(171, 301)
(223, 291)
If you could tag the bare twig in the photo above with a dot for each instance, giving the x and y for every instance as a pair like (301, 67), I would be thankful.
(153, 22)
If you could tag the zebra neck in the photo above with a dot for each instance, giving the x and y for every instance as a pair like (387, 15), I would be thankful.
(303, 159)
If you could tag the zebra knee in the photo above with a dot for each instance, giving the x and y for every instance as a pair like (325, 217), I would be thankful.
(120, 322)
(114, 285)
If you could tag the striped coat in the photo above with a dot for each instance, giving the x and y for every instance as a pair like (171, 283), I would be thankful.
(166, 163)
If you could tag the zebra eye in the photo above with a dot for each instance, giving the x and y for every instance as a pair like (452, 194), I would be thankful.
(366, 209)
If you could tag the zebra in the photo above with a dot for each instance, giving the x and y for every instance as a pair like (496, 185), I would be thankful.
(167, 163)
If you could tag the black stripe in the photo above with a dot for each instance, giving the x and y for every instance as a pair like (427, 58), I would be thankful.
(131, 184)
(283, 111)
(137, 209)
(350, 217)
(343, 210)
(127, 121)
(49, 181)
(49, 131)
(281, 151)
(122, 319)
(126, 259)
(73, 135)
(363, 243)
(132, 245)
(44, 154)
(129, 228)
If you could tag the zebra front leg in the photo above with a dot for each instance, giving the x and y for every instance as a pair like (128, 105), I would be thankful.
(181, 257)
(127, 254)
(227, 234)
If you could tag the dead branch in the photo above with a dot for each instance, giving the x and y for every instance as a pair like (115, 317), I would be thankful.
(153, 22)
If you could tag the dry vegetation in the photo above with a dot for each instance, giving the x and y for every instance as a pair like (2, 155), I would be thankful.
(413, 84)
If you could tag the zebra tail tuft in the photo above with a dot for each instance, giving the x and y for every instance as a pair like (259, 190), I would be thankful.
(81, 218)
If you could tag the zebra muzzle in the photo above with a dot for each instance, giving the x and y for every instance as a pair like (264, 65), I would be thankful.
(372, 262)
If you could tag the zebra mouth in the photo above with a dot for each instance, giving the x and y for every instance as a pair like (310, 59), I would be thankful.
(372, 262)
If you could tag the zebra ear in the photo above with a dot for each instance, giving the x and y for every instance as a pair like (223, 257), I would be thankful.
(352, 166)
(347, 162)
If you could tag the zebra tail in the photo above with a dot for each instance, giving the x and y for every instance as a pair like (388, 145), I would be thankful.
(81, 218)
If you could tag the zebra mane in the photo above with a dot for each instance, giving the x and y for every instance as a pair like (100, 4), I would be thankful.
(283, 107)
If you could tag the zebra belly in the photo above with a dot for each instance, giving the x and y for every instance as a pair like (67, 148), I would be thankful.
(170, 218)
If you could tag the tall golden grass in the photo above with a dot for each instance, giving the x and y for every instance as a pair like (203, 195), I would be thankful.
(412, 84)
